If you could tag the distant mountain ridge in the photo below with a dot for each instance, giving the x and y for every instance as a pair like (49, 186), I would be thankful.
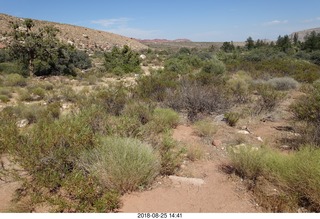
(81, 37)
(163, 40)
(303, 33)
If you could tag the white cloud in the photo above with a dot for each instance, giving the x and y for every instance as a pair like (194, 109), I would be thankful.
(275, 22)
(112, 22)
(121, 26)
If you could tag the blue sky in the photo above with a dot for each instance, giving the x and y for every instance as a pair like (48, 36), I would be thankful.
(198, 20)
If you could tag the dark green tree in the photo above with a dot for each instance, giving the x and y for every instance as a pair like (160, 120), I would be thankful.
(250, 43)
(295, 39)
(41, 52)
(228, 47)
(312, 42)
(284, 43)
(122, 61)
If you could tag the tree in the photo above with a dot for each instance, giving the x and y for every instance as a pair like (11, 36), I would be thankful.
(250, 43)
(312, 41)
(284, 43)
(41, 52)
(295, 39)
(122, 61)
(228, 46)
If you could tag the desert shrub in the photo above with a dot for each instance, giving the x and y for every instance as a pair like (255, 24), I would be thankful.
(247, 161)
(194, 152)
(10, 68)
(33, 113)
(96, 118)
(307, 109)
(15, 80)
(68, 94)
(214, 66)
(232, 118)
(39, 92)
(315, 57)
(85, 195)
(238, 87)
(284, 83)
(8, 130)
(300, 70)
(164, 119)
(113, 98)
(49, 151)
(122, 61)
(54, 109)
(122, 164)
(205, 128)
(154, 86)
(269, 98)
(212, 72)
(171, 155)
(197, 99)
(5, 95)
(176, 65)
(140, 110)
(124, 126)
(296, 175)
(4, 98)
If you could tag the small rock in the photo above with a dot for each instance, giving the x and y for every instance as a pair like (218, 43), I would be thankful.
(285, 147)
(22, 123)
(216, 143)
(219, 118)
(259, 139)
(245, 128)
(185, 180)
(143, 57)
(244, 132)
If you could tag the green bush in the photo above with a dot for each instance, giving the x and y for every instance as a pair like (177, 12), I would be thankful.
(8, 130)
(205, 128)
(196, 99)
(307, 109)
(141, 111)
(283, 84)
(15, 80)
(269, 98)
(247, 161)
(296, 175)
(212, 72)
(113, 98)
(4, 98)
(122, 61)
(49, 151)
(164, 119)
(10, 68)
(171, 155)
(122, 164)
(154, 86)
(238, 87)
(232, 118)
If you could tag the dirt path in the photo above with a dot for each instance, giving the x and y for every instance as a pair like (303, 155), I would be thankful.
(212, 191)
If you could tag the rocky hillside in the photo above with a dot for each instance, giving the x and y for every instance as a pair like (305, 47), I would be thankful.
(303, 33)
(83, 38)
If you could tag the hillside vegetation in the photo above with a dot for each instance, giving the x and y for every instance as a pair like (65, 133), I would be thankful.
(85, 130)
(82, 38)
